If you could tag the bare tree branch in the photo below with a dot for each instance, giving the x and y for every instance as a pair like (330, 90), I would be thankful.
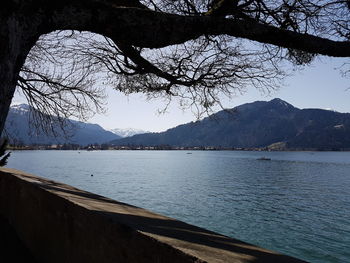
(200, 54)
(59, 86)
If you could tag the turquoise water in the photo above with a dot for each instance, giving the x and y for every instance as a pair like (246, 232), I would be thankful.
(298, 203)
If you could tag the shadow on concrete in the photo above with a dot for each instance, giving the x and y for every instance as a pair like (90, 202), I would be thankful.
(171, 228)
(11, 247)
(189, 233)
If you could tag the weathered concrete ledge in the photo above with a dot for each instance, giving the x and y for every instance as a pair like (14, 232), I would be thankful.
(59, 223)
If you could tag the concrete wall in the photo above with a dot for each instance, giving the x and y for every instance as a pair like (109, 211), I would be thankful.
(59, 223)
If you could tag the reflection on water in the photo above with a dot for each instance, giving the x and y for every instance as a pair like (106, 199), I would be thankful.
(297, 203)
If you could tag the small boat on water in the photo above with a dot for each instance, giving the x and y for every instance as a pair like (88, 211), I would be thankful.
(264, 159)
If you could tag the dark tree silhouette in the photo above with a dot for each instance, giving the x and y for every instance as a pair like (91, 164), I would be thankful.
(203, 48)
(3, 155)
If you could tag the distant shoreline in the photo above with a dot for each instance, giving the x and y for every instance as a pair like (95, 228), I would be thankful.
(169, 148)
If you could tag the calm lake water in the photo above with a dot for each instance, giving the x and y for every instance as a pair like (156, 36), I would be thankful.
(298, 203)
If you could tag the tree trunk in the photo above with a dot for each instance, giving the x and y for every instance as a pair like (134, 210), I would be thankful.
(16, 38)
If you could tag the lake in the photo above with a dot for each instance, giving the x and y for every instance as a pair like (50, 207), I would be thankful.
(298, 203)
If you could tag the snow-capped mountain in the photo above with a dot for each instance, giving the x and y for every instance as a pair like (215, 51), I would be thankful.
(127, 132)
(18, 129)
(20, 108)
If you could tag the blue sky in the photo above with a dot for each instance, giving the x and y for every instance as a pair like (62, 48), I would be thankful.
(319, 85)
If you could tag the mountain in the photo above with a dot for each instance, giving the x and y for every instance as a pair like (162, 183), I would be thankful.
(274, 123)
(128, 132)
(19, 130)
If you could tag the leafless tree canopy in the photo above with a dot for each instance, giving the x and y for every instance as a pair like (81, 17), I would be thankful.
(66, 71)
(58, 84)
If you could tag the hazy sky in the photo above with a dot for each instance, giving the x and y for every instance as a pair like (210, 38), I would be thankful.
(317, 86)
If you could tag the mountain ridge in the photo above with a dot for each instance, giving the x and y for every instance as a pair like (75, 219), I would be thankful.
(19, 131)
(127, 132)
(257, 124)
